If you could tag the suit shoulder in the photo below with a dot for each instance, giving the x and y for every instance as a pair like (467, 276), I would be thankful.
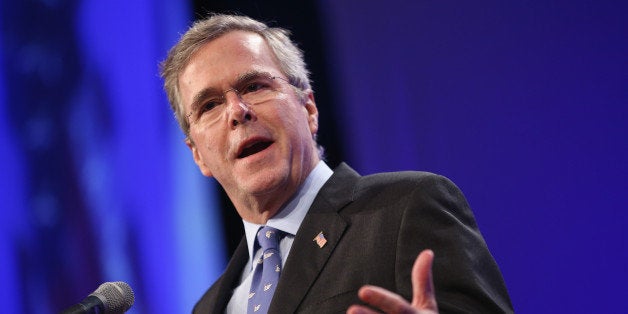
(413, 187)
(406, 179)
(400, 175)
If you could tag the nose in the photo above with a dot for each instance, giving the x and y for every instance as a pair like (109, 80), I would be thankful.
(238, 111)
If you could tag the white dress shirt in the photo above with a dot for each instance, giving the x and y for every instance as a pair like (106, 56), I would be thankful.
(288, 220)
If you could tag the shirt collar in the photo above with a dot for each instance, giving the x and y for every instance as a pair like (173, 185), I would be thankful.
(289, 218)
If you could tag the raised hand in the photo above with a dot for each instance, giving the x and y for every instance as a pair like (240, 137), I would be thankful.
(423, 297)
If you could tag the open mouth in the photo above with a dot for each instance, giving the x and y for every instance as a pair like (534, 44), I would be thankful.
(254, 148)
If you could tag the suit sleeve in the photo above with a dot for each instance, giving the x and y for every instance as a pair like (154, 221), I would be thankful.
(466, 277)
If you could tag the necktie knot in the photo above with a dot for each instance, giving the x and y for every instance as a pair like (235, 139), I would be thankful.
(268, 238)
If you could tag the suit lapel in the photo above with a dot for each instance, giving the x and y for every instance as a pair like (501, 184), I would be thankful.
(307, 259)
(230, 277)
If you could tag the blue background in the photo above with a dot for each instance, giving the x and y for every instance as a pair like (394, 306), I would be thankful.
(522, 104)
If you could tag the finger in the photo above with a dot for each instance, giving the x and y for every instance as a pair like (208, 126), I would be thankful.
(358, 309)
(384, 300)
(423, 296)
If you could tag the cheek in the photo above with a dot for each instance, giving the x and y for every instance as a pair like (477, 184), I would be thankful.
(207, 144)
(291, 114)
(289, 123)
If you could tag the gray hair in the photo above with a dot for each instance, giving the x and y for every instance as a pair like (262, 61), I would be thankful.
(288, 55)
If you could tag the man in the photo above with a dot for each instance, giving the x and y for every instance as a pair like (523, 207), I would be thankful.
(241, 93)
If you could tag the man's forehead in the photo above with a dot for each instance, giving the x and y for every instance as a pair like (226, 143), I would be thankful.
(224, 60)
(233, 52)
(232, 45)
(253, 42)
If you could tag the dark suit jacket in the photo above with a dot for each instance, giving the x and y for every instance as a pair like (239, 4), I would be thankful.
(375, 227)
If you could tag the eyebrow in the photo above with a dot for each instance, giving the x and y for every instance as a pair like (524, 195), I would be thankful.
(209, 91)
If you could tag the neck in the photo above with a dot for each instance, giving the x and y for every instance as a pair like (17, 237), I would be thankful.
(259, 208)
(259, 211)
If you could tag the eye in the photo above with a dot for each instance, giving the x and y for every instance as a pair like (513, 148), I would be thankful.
(208, 106)
(256, 86)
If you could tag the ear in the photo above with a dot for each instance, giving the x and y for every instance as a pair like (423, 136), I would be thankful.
(197, 158)
(312, 112)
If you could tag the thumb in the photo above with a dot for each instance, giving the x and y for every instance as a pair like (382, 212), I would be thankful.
(423, 296)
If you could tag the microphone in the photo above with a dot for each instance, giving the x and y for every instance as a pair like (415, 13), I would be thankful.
(110, 298)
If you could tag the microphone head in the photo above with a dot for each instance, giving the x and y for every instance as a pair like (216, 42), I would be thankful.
(117, 297)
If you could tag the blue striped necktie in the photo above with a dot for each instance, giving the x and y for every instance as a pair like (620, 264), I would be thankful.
(267, 270)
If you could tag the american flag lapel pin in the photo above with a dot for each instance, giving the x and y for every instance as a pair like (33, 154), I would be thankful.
(320, 239)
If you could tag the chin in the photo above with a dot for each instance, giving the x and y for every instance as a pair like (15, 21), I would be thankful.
(266, 181)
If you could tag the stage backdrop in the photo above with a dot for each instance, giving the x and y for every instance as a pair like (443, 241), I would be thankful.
(522, 104)
(97, 184)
